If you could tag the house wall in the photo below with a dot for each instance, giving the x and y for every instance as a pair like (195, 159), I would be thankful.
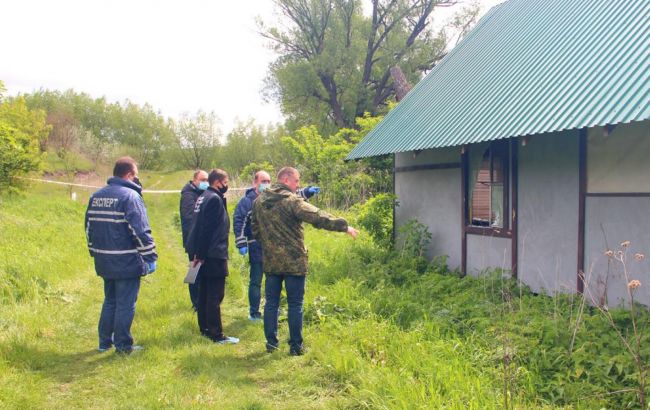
(548, 201)
(609, 222)
(433, 198)
(484, 252)
(617, 165)
(549, 206)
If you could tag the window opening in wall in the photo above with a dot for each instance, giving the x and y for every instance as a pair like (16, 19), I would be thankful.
(488, 181)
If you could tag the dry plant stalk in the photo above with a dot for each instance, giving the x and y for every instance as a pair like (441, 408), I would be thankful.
(632, 343)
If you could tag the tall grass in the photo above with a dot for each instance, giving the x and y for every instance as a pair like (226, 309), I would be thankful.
(382, 331)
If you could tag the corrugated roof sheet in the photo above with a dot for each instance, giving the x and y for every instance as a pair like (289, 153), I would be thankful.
(528, 67)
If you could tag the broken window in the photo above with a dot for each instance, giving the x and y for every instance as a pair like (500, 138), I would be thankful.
(488, 181)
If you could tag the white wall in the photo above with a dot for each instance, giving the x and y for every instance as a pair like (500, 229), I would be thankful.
(433, 198)
(548, 201)
(618, 163)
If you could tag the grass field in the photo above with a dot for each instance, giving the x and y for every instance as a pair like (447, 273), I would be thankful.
(50, 304)
(378, 335)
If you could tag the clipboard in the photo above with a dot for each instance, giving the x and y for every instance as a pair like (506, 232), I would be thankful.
(192, 272)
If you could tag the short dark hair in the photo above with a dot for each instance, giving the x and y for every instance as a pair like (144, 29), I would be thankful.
(123, 166)
(286, 172)
(216, 175)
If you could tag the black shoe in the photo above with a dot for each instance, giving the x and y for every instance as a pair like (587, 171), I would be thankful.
(271, 348)
(297, 351)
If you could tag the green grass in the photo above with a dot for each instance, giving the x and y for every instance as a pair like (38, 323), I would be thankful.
(76, 162)
(51, 300)
(381, 332)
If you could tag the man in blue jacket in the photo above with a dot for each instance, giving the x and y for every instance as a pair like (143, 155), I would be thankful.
(247, 244)
(207, 242)
(189, 194)
(119, 239)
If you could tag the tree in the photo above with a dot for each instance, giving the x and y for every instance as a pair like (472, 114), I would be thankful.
(137, 130)
(334, 62)
(21, 132)
(246, 143)
(143, 132)
(197, 137)
(321, 160)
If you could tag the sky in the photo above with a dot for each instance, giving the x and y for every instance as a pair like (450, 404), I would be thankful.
(178, 56)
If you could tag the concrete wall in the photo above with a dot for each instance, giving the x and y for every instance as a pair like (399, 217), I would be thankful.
(618, 164)
(609, 222)
(548, 196)
(433, 198)
(484, 252)
(429, 156)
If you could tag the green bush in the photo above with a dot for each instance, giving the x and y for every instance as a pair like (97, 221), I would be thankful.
(21, 132)
(376, 217)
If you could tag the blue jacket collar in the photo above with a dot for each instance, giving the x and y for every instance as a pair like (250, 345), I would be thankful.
(250, 193)
(125, 183)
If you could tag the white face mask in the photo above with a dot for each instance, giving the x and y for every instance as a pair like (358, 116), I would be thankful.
(263, 187)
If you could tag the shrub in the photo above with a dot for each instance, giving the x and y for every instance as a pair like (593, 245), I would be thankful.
(376, 217)
(21, 131)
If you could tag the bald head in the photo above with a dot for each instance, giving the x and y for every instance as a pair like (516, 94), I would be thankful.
(290, 177)
(262, 178)
(199, 176)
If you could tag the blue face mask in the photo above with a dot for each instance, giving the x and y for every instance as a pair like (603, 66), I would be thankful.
(263, 187)
(203, 185)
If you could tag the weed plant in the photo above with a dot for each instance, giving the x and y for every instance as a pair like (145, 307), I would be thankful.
(384, 330)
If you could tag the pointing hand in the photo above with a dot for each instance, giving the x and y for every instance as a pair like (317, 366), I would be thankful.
(352, 232)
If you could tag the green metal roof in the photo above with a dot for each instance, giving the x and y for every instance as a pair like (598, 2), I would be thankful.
(528, 67)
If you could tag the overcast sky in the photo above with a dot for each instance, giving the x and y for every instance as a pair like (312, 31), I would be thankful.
(176, 55)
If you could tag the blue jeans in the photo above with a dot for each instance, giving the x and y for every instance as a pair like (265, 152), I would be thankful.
(295, 286)
(117, 314)
(255, 289)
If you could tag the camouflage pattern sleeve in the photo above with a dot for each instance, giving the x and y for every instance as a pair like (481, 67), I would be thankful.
(255, 227)
(307, 212)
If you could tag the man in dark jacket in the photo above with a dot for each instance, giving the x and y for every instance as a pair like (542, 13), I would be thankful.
(247, 244)
(277, 220)
(208, 244)
(189, 194)
(119, 240)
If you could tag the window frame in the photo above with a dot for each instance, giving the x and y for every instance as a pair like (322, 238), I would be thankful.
(503, 146)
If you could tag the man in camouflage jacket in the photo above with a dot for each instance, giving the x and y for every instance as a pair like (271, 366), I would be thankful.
(277, 217)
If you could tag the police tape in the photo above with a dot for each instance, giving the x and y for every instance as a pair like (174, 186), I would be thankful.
(144, 191)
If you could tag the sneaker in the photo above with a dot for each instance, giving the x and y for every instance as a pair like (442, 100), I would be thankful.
(104, 349)
(227, 340)
(254, 319)
(134, 348)
(271, 348)
(297, 351)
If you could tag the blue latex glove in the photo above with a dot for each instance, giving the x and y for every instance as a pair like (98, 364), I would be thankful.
(311, 191)
(243, 250)
(151, 267)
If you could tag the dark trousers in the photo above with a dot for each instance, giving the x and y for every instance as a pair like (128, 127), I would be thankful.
(295, 286)
(255, 289)
(118, 312)
(194, 290)
(211, 293)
